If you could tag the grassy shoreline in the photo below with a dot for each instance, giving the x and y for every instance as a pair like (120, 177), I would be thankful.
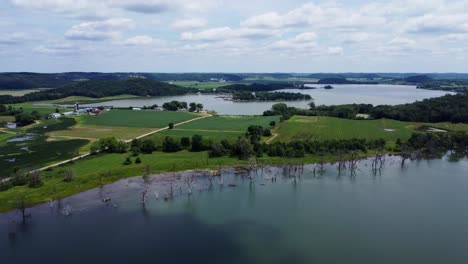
(89, 171)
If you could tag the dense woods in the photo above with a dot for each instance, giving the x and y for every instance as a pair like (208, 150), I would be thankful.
(265, 96)
(97, 89)
(448, 108)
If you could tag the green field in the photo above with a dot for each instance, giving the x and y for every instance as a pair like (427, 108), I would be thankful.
(217, 127)
(18, 92)
(29, 107)
(229, 123)
(7, 119)
(4, 136)
(132, 118)
(323, 128)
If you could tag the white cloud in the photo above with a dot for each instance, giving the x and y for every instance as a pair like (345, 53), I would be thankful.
(189, 24)
(223, 33)
(139, 40)
(57, 49)
(335, 51)
(75, 8)
(99, 30)
(301, 42)
(13, 38)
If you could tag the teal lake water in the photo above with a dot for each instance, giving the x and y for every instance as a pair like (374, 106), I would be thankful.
(415, 214)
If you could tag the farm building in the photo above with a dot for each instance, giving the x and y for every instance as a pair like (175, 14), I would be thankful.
(11, 125)
(55, 115)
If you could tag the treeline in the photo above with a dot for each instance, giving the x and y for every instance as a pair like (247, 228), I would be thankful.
(448, 108)
(21, 118)
(28, 80)
(265, 96)
(343, 81)
(97, 89)
(459, 86)
(256, 87)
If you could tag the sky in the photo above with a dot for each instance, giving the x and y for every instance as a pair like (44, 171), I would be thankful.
(234, 36)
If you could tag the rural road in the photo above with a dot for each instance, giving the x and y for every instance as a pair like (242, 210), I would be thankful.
(272, 138)
(127, 141)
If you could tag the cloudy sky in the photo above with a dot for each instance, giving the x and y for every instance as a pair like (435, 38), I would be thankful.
(234, 35)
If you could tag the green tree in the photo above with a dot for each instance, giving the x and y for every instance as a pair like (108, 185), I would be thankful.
(197, 143)
(147, 146)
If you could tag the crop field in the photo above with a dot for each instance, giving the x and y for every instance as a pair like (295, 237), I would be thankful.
(132, 118)
(229, 123)
(4, 136)
(18, 92)
(96, 132)
(42, 109)
(323, 128)
(7, 118)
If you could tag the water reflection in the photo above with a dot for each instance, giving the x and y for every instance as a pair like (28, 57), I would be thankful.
(298, 218)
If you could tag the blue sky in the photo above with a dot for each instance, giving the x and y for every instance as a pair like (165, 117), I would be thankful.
(234, 36)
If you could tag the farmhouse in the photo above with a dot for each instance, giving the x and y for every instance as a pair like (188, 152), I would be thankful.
(55, 115)
(11, 125)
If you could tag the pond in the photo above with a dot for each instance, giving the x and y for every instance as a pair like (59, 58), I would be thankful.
(415, 214)
(341, 94)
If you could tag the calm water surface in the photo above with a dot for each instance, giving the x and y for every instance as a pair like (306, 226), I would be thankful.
(341, 94)
(418, 214)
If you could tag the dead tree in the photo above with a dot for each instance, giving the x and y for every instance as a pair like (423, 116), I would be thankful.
(353, 161)
(341, 161)
(405, 154)
(21, 204)
(189, 181)
(143, 195)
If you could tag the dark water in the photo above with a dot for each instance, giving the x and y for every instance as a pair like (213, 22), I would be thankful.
(418, 214)
(341, 94)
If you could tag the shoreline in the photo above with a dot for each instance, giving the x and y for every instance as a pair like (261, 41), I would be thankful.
(214, 168)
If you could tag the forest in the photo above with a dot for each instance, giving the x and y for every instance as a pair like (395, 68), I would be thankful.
(97, 89)
(448, 108)
(265, 96)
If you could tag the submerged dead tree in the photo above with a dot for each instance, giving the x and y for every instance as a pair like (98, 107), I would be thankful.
(405, 154)
(189, 181)
(352, 162)
(341, 161)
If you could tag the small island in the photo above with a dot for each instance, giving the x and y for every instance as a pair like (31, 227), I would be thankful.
(328, 87)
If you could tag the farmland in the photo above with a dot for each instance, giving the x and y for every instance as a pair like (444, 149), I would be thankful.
(326, 128)
(18, 92)
(7, 119)
(131, 118)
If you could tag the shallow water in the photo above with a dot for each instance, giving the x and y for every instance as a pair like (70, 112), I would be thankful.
(417, 214)
(341, 94)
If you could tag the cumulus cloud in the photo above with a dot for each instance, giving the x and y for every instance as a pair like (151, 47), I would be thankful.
(222, 33)
(60, 49)
(302, 41)
(99, 30)
(139, 40)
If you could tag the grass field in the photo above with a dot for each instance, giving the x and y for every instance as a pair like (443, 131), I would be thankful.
(4, 136)
(29, 107)
(229, 123)
(95, 132)
(7, 119)
(323, 128)
(131, 118)
(217, 128)
(18, 92)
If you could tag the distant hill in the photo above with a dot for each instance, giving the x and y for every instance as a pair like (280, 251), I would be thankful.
(98, 89)
(418, 79)
(28, 80)
(341, 81)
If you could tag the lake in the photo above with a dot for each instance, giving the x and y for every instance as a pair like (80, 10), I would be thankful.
(341, 94)
(415, 214)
